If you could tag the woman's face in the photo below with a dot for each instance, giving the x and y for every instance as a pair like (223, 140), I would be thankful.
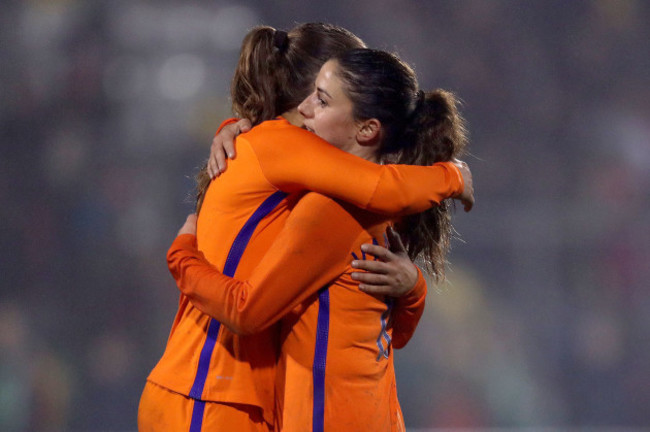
(328, 110)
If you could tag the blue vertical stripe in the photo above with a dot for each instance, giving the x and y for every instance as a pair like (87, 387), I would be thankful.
(197, 416)
(234, 256)
(240, 243)
(204, 359)
(320, 357)
(383, 334)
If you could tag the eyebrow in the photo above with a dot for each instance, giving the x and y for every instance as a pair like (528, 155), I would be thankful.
(320, 90)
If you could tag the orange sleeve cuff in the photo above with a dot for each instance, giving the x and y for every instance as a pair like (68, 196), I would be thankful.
(408, 311)
(458, 181)
(420, 187)
(418, 291)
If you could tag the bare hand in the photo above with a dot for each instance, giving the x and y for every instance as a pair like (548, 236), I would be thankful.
(467, 197)
(393, 274)
(223, 146)
(189, 227)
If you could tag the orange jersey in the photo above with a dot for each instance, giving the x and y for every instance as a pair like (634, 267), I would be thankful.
(242, 213)
(336, 349)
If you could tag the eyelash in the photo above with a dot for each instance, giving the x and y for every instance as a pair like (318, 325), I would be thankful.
(322, 102)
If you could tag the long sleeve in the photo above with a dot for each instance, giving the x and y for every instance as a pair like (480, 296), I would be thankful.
(407, 312)
(294, 160)
(311, 251)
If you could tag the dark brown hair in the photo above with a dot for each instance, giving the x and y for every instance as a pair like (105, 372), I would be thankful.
(419, 129)
(274, 74)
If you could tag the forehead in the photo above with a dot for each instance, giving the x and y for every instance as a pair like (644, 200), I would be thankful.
(328, 78)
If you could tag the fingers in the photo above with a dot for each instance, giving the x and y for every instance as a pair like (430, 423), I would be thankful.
(217, 160)
(213, 167)
(395, 241)
(371, 278)
(468, 205)
(223, 147)
(377, 289)
(371, 266)
(373, 283)
(229, 148)
(377, 251)
(189, 227)
(228, 143)
(468, 200)
(220, 156)
(244, 125)
(467, 196)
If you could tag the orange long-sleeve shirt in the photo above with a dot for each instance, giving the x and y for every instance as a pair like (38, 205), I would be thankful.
(309, 262)
(243, 211)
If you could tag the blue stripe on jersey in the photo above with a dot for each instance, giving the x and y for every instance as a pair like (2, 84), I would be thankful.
(320, 357)
(234, 255)
(240, 243)
(197, 416)
(204, 359)
(383, 334)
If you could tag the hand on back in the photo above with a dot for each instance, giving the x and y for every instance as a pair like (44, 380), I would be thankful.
(392, 274)
(223, 146)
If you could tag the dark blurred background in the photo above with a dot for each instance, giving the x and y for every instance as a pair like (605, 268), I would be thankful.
(107, 108)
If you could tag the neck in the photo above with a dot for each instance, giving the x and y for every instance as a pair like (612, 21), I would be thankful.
(294, 117)
(367, 152)
(367, 149)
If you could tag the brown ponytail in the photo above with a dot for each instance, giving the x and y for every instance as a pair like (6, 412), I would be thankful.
(253, 88)
(435, 133)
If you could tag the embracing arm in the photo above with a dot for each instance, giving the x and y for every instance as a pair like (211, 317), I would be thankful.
(296, 160)
(304, 161)
(310, 252)
(407, 312)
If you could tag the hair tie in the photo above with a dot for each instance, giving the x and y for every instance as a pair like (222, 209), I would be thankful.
(280, 40)
(419, 102)
(420, 95)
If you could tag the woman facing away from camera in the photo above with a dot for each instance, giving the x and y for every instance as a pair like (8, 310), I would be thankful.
(335, 370)
(209, 376)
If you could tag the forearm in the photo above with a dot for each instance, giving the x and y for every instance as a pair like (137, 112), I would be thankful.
(305, 162)
(291, 271)
(208, 289)
(412, 189)
(407, 312)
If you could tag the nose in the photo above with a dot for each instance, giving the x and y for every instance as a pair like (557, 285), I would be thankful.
(306, 107)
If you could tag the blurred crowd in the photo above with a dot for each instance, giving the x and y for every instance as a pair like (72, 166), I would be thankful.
(107, 109)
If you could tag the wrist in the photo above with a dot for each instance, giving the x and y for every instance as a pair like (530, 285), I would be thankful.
(420, 286)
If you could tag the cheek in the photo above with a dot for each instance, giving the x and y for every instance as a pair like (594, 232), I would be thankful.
(335, 130)
(334, 120)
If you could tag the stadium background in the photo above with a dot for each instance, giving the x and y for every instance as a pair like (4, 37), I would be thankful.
(108, 107)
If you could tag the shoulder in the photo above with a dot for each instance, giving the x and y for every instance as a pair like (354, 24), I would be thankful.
(318, 210)
(280, 130)
(313, 202)
(323, 210)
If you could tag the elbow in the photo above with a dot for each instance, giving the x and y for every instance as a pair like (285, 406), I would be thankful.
(399, 343)
(249, 319)
(401, 336)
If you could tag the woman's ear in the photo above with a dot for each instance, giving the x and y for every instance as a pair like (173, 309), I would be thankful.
(369, 131)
